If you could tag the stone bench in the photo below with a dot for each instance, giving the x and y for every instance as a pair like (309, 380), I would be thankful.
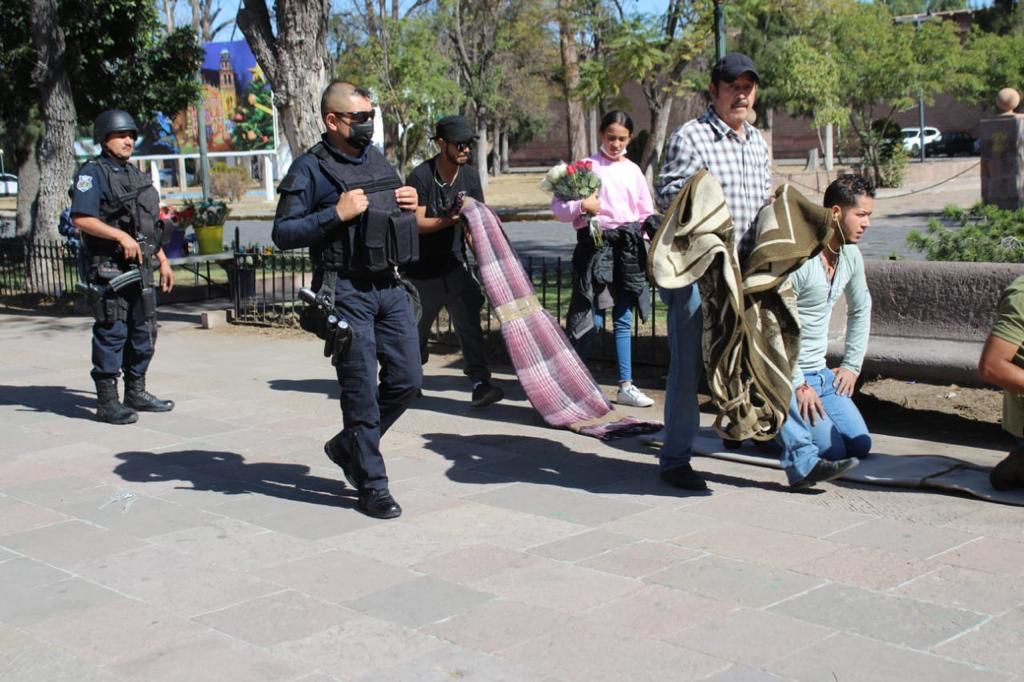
(929, 320)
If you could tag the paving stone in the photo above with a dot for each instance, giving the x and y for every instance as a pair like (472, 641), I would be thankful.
(988, 554)
(472, 564)
(750, 637)
(892, 619)
(758, 545)
(498, 624)
(640, 558)
(42, 602)
(419, 602)
(233, 543)
(211, 657)
(582, 546)
(336, 576)
(965, 588)
(184, 585)
(855, 659)
(733, 581)
(661, 524)
(398, 542)
(739, 673)
(137, 515)
(902, 537)
(454, 663)
(558, 503)
(117, 631)
(21, 574)
(55, 493)
(557, 585)
(769, 511)
(995, 644)
(990, 520)
(577, 654)
(276, 618)
(69, 542)
(358, 647)
(654, 612)
(16, 516)
(867, 567)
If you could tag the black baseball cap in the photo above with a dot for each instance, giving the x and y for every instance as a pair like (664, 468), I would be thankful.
(454, 129)
(732, 66)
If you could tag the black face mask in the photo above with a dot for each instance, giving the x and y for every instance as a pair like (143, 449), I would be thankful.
(360, 134)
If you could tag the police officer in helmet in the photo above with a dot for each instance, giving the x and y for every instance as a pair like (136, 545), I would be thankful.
(345, 202)
(116, 208)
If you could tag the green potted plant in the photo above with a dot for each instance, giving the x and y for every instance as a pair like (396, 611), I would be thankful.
(207, 219)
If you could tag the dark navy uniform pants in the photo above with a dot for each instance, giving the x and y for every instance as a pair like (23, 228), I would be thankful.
(123, 345)
(381, 318)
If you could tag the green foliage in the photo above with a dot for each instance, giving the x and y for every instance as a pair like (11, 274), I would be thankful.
(893, 165)
(202, 214)
(117, 55)
(985, 234)
(991, 62)
(898, 7)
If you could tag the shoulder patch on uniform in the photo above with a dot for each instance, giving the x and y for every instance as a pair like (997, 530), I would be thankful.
(84, 183)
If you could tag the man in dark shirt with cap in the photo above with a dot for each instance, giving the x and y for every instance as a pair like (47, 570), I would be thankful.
(441, 275)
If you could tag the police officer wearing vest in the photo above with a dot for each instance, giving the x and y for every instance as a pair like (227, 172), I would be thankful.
(345, 202)
(116, 208)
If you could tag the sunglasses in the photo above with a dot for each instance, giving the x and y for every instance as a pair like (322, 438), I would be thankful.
(355, 116)
(462, 146)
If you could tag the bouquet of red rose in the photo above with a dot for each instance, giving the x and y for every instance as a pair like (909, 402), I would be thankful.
(572, 182)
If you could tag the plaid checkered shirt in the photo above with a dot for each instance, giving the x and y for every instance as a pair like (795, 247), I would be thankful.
(741, 165)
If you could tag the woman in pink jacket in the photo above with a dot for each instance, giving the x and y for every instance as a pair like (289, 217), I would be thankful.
(610, 274)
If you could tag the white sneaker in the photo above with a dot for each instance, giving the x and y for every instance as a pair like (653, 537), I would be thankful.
(632, 396)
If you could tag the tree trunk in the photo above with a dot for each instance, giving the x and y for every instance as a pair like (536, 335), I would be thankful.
(505, 160)
(660, 112)
(57, 107)
(570, 65)
(169, 14)
(595, 140)
(496, 160)
(294, 61)
(481, 146)
(28, 192)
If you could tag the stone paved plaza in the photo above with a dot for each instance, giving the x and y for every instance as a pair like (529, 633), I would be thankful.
(217, 542)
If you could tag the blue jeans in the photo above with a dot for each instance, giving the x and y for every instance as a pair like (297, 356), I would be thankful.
(622, 320)
(682, 413)
(840, 434)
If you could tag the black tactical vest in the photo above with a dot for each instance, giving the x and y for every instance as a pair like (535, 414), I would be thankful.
(380, 239)
(133, 206)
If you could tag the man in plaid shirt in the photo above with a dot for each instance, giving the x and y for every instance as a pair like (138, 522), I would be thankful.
(733, 151)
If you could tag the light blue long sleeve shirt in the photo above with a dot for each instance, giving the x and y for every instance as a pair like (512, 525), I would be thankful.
(815, 299)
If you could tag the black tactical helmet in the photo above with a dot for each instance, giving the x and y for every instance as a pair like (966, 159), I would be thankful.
(112, 121)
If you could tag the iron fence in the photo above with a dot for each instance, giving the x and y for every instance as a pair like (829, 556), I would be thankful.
(265, 291)
(264, 286)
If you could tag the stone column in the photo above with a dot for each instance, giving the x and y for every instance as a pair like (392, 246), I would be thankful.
(1002, 153)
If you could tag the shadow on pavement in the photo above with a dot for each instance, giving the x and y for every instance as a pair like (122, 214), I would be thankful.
(230, 474)
(326, 387)
(487, 459)
(56, 399)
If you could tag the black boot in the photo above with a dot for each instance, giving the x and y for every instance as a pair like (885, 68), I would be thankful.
(108, 406)
(136, 395)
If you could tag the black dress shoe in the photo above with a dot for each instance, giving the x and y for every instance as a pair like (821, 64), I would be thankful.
(379, 504)
(340, 456)
(684, 477)
(485, 394)
(825, 470)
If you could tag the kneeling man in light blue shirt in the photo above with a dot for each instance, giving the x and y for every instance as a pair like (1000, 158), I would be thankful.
(824, 434)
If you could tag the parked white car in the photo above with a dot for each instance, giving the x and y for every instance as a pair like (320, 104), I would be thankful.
(912, 138)
(8, 185)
